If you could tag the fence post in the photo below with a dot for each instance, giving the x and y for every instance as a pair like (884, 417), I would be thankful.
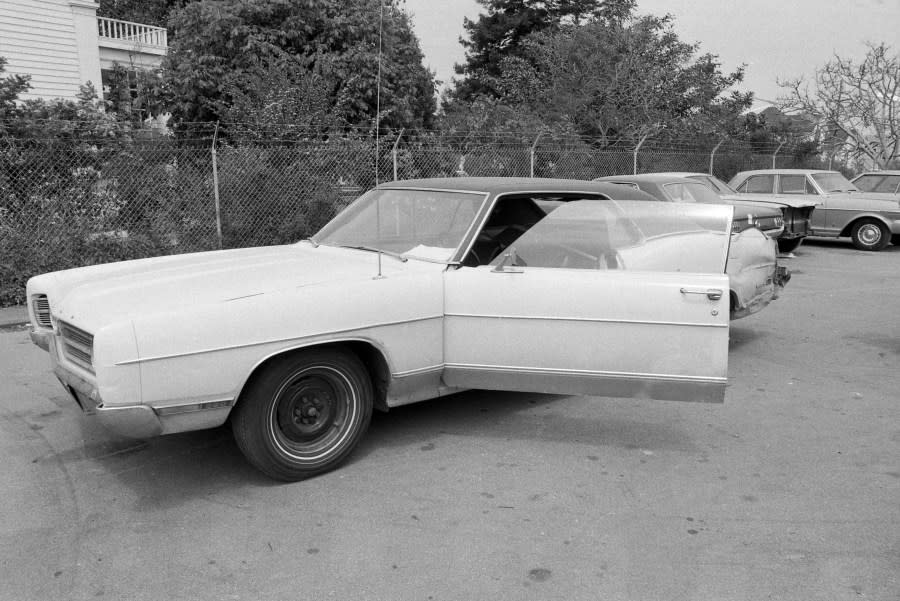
(394, 151)
(776, 154)
(712, 155)
(533, 150)
(637, 149)
(215, 169)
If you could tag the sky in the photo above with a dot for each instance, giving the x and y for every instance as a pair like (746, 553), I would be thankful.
(775, 39)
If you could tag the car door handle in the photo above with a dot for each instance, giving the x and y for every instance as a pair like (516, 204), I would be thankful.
(711, 293)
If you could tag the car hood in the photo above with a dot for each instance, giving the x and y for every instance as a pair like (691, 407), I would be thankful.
(135, 288)
(797, 202)
(758, 209)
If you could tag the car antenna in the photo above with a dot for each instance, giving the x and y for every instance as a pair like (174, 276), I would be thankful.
(377, 136)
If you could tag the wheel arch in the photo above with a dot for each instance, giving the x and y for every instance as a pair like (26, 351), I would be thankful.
(372, 356)
(845, 232)
(733, 303)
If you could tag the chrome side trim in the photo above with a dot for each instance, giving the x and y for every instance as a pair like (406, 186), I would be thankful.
(583, 372)
(193, 407)
(866, 212)
(418, 372)
(278, 340)
(589, 383)
(587, 319)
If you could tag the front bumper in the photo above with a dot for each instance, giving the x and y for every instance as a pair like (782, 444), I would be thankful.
(132, 421)
(41, 338)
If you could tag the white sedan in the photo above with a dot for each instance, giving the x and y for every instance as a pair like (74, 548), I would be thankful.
(417, 290)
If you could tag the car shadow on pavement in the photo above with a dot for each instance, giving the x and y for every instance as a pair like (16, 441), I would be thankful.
(172, 470)
(740, 336)
(168, 471)
(482, 414)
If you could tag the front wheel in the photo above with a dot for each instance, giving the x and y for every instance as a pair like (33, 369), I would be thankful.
(304, 413)
(869, 234)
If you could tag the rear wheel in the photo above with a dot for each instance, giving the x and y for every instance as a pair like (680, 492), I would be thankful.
(304, 413)
(787, 245)
(869, 234)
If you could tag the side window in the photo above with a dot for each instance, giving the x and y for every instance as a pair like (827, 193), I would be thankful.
(512, 216)
(631, 185)
(759, 184)
(810, 188)
(792, 184)
(678, 193)
(626, 235)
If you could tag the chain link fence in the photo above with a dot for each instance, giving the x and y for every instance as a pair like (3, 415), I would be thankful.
(67, 203)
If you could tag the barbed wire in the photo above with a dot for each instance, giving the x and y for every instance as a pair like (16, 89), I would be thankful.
(248, 133)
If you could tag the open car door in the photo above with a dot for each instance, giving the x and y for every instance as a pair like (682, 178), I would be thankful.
(601, 297)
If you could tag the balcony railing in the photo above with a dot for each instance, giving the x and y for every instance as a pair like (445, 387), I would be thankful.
(134, 33)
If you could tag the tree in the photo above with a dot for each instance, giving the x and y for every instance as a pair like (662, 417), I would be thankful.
(220, 48)
(858, 101)
(147, 12)
(10, 88)
(498, 34)
(609, 80)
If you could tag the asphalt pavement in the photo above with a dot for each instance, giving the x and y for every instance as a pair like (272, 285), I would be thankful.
(13, 316)
(790, 490)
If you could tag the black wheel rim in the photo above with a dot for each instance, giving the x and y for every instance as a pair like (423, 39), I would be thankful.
(312, 414)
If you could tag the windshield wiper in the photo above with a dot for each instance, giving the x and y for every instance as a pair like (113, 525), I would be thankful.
(398, 256)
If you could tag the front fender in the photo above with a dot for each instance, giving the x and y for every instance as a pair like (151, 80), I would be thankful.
(893, 225)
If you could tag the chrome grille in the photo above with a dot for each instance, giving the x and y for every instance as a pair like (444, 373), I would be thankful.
(41, 306)
(77, 346)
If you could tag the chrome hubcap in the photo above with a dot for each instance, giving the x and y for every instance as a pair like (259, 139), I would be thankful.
(870, 234)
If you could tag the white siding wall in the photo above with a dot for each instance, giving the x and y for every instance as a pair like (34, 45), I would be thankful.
(38, 38)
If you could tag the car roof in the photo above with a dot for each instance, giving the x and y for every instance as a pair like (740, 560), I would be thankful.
(785, 171)
(687, 174)
(656, 178)
(882, 172)
(505, 185)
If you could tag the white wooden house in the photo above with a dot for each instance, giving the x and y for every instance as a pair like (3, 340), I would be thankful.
(62, 44)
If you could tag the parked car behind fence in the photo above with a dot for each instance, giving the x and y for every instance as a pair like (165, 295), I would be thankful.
(871, 220)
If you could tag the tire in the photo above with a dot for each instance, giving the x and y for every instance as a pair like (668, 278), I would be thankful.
(788, 245)
(895, 239)
(304, 413)
(869, 234)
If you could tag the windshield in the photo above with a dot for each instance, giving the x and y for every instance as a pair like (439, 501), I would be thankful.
(833, 182)
(692, 192)
(423, 224)
(633, 235)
